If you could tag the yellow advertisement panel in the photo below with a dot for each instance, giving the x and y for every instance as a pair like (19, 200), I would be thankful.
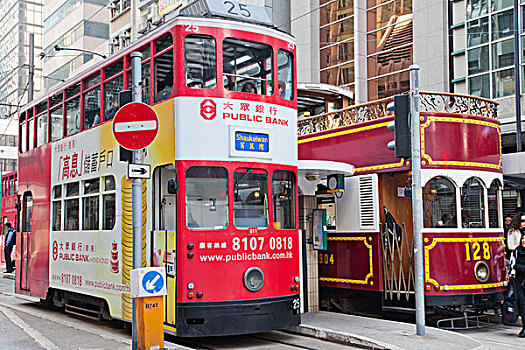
(166, 6)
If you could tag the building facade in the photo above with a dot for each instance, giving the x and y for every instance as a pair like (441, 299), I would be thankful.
(78, 24)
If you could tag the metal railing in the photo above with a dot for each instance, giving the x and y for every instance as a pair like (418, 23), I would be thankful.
(429, 102)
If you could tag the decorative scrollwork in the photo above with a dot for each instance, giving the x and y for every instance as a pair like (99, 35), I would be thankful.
(429, 102)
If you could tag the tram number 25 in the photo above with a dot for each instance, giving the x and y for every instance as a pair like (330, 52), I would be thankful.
(475, 251)
(326, 258)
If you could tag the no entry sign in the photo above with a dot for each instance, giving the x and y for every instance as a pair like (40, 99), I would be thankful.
(135, 126)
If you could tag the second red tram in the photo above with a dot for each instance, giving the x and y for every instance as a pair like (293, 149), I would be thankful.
(220, 211)
(370, 245)
(8, 210)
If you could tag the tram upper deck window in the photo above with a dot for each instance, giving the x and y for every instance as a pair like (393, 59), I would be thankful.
(200, 62)
(247, 66)
(494, 197)
(285, 74)
(283, 194)
(57, 123)
(472, 204)
(41, 133)
(250, 206)
(206, 198)
(439, 203)
(73, 116)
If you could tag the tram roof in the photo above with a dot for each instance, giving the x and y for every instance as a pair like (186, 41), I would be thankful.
(311, 95)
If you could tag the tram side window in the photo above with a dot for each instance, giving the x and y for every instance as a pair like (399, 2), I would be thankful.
(247, 66)
(71, 206)
(90, 203)
(206, 198)
(472, 204)
(57, 207)
(283, 193)
(200, 62)
(27, 212)
(111, 92)
(285, 74)
(494, 197)
(163, 76)
(42, 130)
(57, 123)
(250, 206)
(23, 138)
(31, 137)
(108, 203)
(73, 116)
(92, 108)
(439, 203)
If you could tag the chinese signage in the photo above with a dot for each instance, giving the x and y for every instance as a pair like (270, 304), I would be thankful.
(251, 142)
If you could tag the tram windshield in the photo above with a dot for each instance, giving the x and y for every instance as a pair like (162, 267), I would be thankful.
(247, 66)
(250, 198)
(439, 203)
(206, 198)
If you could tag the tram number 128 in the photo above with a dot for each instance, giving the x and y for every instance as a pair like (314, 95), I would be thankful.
(475, 251)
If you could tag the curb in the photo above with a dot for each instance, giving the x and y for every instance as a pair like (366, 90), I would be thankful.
(342, 337)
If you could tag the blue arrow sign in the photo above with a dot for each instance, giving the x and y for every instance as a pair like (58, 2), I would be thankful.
(152, 282)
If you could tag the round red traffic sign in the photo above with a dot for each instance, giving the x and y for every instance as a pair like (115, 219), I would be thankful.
(135, 126)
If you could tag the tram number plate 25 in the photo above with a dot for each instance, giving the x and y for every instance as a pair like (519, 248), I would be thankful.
(295, 304)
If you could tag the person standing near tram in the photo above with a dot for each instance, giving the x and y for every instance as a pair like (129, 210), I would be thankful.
(514, 233)
(9, 243)
(518, 272)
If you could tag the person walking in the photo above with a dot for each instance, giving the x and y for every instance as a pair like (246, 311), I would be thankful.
(513, 236)
(518, 272)
(9, 243)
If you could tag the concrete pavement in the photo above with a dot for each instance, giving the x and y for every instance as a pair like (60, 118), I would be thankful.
(372, 333)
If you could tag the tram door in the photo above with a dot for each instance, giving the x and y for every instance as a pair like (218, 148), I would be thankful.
(25, 240)
(164, 235)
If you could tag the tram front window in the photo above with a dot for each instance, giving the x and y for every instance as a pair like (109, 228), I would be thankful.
(250, 190)
(206, 198)
(283, 194)
(439, 204)
(247, 67)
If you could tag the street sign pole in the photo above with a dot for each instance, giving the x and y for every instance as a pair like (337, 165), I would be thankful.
(136, 189)
(417, 199)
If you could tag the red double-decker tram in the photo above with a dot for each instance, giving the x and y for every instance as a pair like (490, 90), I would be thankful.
(370, 245)
(220, 209)
(8, 210)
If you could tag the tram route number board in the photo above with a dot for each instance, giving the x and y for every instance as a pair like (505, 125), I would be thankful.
(135, 126)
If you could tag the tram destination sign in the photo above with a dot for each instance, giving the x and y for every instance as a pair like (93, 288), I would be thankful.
(229, 9)
(135, 126)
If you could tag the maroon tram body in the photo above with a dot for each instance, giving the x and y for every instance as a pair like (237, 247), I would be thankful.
(464, 261)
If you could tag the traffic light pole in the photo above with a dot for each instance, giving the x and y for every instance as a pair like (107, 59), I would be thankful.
(136, 190)
(417, 199)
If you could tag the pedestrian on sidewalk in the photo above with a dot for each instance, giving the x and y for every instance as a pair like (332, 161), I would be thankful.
(518, 272)
(516, 230)
(9, 243)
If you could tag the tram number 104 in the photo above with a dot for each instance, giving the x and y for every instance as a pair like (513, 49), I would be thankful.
(475, 251)
(257, 243)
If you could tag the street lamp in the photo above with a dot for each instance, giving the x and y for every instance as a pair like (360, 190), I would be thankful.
(59, 48)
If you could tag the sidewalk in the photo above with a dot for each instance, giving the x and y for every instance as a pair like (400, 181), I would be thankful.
(371, 333)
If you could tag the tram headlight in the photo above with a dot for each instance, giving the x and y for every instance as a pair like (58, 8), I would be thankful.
(481, 271)
(253, 279)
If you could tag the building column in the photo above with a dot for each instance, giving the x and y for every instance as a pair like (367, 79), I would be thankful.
(360, 49)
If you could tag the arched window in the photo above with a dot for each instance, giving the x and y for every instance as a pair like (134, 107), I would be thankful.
(439, 203)
(494, 195)
(472, 204)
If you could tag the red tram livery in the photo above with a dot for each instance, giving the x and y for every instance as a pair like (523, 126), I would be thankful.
(370, 246)
(220, 208)
(8, 205)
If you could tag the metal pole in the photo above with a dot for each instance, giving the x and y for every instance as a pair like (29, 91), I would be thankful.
(417, 199)
(31, 87)
(136, 188)
(517, 75)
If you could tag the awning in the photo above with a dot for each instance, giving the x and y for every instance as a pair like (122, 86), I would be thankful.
(311, 172)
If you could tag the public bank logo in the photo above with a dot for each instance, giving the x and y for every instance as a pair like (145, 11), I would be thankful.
(55, 250)
(208, 109)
